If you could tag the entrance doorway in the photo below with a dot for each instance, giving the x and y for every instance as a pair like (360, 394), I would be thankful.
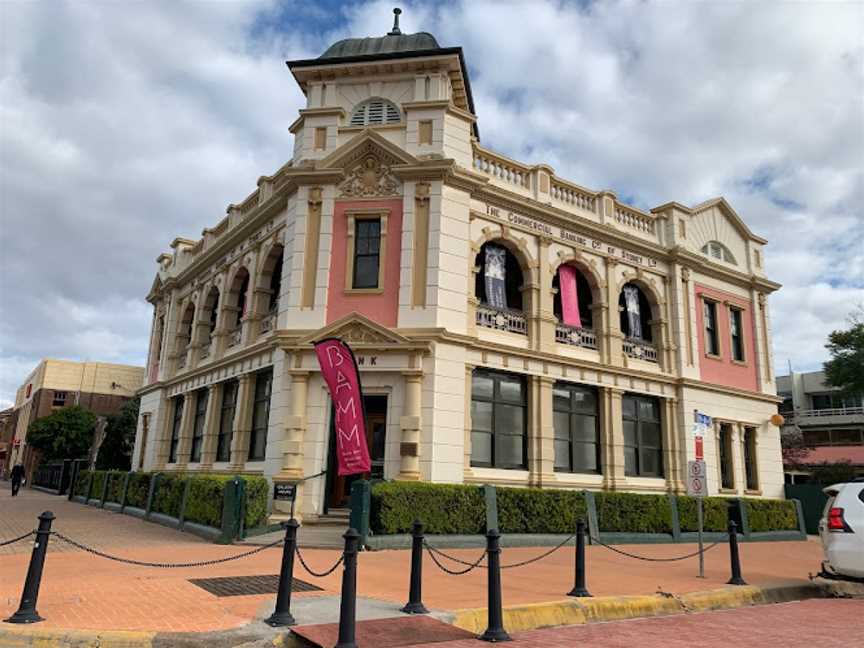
(339, 487)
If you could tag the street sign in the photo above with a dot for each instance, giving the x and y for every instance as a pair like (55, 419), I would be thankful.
(700, 449)
(697, 482)
(284, 492)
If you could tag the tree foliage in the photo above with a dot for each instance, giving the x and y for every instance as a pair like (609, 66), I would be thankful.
(834, 473)
(116, 449)
(793, 445)
(845, 369)
(63, 434)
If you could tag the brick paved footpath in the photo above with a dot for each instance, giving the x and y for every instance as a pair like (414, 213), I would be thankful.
(818, 623)
(83, 591)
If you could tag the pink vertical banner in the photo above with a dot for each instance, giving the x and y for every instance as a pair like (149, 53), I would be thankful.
(339, 369)
(569, 296)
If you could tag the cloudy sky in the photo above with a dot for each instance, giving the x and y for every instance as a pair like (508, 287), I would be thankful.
(125, 124)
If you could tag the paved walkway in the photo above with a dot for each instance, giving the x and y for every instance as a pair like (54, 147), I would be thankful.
(826, 623)
(83, 591)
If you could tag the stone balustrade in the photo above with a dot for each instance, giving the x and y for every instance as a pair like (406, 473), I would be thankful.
(572, 195)
(512, 321)
(575, 336)
(629, 217)
(640, 350)
(501, 168)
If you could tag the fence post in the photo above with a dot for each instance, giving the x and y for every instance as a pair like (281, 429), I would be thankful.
(89, 486)
(27, 610)
(181, 518)
(105, 487)
(282, 614)
(73, 480)
(348, 603)
(151, 494)
(230, 512)
(125, 492)
(495, 630)
(360, 504)
(490, 497)
(591, 514)
(415, 592)
(579, 588)
(676, 520)
(733, 556)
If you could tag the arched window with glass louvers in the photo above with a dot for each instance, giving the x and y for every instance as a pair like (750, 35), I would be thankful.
(719, 251)
(374, 112)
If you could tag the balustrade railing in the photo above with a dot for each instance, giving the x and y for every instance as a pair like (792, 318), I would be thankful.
(640, 350)
(632, 218)
(502, 320)
(501, 168)
(575, 336)
(571, 195)
(832, 411)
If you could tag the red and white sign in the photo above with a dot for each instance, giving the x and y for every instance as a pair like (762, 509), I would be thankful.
(339, 369)
(700, 449)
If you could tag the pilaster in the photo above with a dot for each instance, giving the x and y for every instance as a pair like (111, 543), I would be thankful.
(541, 443)
(466, 469)
(211, 426)
(184, 444)
(612, 433)
(410, 425)
(242, 423)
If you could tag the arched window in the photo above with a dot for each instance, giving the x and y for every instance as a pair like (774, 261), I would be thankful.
(211, 306)
(635, 313)
(185, 330)
(237, 297)
(501, 273)
(583, 296)
(717, 250)
(375, 111)
(273, 268)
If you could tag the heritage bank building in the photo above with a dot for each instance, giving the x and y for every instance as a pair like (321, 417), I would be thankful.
(511, 327)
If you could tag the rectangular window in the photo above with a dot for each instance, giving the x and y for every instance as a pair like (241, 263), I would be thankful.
(737, 334)
(425, 132)
(577, 434)
(198, 426)
(367, 252)
(498, 420)
(175, 429)
(260, 415)
(226, 420)
(320, 139)
(59, 399)
(752, 474)
(643, 437)
(712, 344)
(727, 475)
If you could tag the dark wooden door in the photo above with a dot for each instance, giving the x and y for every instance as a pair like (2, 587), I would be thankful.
(339, 491)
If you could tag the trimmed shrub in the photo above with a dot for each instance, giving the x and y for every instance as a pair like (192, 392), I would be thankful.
(98, 484)
(115, 487)
(206, 494)
(771, 515)
(169, 494)
(81, 482)
(715, 513)
(139, 489)
(535, 510)
(443, 508)
(257, 489)
(633, 513)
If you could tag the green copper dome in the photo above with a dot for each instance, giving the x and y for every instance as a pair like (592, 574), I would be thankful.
(389, 44)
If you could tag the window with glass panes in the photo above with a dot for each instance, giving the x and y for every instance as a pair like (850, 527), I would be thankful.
(498, 420)
(175, 429)
(727, 476)
(577, 433)
(367, 252)
(643, 437)
(226, 420)
(260, 415)
(198, 426)
(737, 334)
(752, 474)
(712, 344)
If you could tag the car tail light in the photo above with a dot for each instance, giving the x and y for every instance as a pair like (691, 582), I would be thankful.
(836, 522)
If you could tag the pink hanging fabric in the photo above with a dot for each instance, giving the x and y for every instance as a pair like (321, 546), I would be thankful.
(569, 296)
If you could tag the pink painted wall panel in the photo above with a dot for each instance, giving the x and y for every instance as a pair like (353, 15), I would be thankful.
(723, 370)
(382, 307)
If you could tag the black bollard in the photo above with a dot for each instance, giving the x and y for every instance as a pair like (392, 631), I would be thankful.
(282, 614)
(579, 588)
(348, 604)
(495, 630)
(415, 594)
(733, 556)
(27, 610)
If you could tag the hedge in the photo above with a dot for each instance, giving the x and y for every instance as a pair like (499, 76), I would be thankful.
(257, 490)
(98, 484)
(115, 486)
(771, 515)
(81, 482)
(715, 513)
(169, 494)
(139, 490)
(534, 510)
(443, 508)
(633, 513)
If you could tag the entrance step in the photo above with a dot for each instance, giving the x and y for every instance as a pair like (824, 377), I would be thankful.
(385, 633)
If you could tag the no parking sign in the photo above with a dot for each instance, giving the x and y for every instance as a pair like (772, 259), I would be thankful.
(697, 483)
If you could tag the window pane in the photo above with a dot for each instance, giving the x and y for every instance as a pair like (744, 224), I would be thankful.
(650, 434)
(585, 400)
(481, 416)
(481, 385)
(650, 462)
(509, 419)
(561, 423)
(562, 455)
(375, 245)
(584, 428)
(510, 389)
(584, 457)
(259, 420)
(846, 436)
(629, 406)
(508, 450)
(366, 272)
(629, 433)
(561, 399)
(361, 246)
(629, 461)
(481, 448)
(648, 409)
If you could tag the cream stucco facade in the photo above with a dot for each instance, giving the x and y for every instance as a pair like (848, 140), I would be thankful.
(237, 310)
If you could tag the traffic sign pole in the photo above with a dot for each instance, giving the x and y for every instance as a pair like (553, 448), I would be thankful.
(699, 522)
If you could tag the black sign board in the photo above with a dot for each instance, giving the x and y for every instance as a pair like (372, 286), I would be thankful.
(284, 492)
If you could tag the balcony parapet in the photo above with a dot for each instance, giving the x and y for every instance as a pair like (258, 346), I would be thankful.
(639, 349)
(575, 336)
(512, 321)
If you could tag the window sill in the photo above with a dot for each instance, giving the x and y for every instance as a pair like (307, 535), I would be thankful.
(359, 129)
(714, 356)
(757, 492)
(727, 491)
(363, 291)
(741, 363)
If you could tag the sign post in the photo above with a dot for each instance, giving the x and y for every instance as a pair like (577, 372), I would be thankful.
(697, 486)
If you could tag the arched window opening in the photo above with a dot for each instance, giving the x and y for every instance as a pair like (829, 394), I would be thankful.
(635, 322)
(571, 304)
(374, 112)
(275, 280)
(211, 308)
(237, 305)
(184, 334)
(498, 288)
(719, 251)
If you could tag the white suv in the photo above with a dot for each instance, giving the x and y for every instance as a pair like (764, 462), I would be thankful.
(842, 529)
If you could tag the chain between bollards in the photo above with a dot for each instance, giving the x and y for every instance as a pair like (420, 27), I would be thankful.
(734, 558)
(495, 630)
(282, 614)
(348, 603)
(579, 588)
(415, 593)
(27, 610)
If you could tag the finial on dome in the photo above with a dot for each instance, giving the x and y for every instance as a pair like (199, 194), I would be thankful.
(395, 31)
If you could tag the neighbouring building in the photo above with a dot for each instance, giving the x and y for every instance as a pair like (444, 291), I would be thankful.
(511, 327)
(833, 425)
(54, 384)
(7, 431)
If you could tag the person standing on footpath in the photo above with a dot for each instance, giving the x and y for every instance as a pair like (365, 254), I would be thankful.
(17, 477)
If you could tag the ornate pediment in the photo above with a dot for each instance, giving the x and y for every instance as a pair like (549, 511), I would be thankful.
(370, 177)
(357, 330)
